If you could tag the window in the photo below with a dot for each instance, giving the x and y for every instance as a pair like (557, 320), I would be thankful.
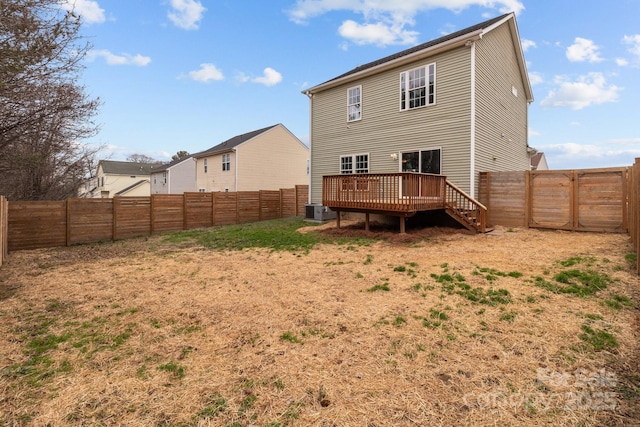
(226, 162)
(424, 161)
(164, 177)
(205, 166)
(354, 105)
(418, 87)
(355, 163)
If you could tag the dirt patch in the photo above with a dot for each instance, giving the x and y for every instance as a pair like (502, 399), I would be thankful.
(435, 327)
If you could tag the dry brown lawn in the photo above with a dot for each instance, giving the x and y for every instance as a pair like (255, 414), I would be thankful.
(412, 331)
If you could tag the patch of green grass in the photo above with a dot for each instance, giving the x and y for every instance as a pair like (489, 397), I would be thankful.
(618, 302)
(599, 339)
(631, 259)
(438, 315)
(277, 235)
(247, 403)
(215, 404)
(399, 321)
(368, 260)
(576, 282)
(570, 262)
(289, 336)
(508, 317)
(177, 371)
(379, 287)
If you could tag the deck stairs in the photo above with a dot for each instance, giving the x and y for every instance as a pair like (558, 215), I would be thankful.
(465, 209)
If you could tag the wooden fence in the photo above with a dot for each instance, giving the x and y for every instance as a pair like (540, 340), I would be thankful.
(634, 209)
(4, 232)
(41, 224)
(577, 200)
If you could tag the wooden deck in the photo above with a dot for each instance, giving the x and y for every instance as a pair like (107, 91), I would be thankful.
(400, 194)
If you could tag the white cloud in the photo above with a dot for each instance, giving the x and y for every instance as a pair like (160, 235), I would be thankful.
(122, 59)
(186, 14)
(601, 154)
(634, 43)
(526, 44)
(89, 10)
(622, 62)
(378, 33)
(270, 77)
(206, 73)
(583, 50)
(535, 78)
(385, 21)
(588, 90)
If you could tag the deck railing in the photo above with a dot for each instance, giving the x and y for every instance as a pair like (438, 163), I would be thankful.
(403, 192)
(465, 208)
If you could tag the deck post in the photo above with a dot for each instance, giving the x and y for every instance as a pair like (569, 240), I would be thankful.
(366, 221)
(402, 225)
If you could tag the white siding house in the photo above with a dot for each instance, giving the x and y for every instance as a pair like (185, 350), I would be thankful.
(177, 177)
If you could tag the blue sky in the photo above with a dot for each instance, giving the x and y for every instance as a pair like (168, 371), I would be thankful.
(188, 74)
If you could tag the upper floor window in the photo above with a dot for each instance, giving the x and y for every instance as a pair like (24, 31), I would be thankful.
(418, 87)
(205, 166)
(226, 162)
(354, 163)
(164, 177)
(354, 103)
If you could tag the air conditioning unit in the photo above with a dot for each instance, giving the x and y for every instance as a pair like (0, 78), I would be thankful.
(317, 212)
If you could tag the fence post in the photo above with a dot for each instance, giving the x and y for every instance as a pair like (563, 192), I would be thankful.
(152, 215)
(114, 213)
(184, 211)
(68, 222)
(527, 198)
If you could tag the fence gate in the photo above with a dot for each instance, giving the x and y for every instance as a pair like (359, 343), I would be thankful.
(579, 200)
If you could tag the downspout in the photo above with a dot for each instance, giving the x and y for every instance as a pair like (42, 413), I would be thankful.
(310, 96)
(472, 151)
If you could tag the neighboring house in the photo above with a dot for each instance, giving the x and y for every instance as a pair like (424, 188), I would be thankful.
(455, 106)
(176, 177)
(266, 159)
(115, 178)
(539, 162)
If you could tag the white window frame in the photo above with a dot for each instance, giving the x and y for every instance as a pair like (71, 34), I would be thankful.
(205, 166)
(408, 84)
(354, 104)
(226, 162)
(355, 159)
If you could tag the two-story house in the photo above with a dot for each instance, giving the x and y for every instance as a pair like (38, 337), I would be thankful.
(265, 159)
(114, 178)
(454, 106)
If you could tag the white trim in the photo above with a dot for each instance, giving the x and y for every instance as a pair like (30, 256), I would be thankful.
(472, 142)
(359, 87)
(354, 162)
(406, 90)
(235, 152)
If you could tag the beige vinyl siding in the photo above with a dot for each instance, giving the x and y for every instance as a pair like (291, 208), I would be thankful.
(274, 159)
(216, 179)
(501, 117)
(142, 190)
(384, 129)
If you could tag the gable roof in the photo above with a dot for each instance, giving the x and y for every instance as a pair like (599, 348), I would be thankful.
(125, 168)
(131, 187)
(165, 166)
(450, 41)
(233, 142)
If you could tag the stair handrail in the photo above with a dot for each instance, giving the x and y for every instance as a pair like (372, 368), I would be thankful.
(479, 207)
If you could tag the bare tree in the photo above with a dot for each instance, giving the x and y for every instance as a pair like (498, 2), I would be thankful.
(143, 158)
(44, 112)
